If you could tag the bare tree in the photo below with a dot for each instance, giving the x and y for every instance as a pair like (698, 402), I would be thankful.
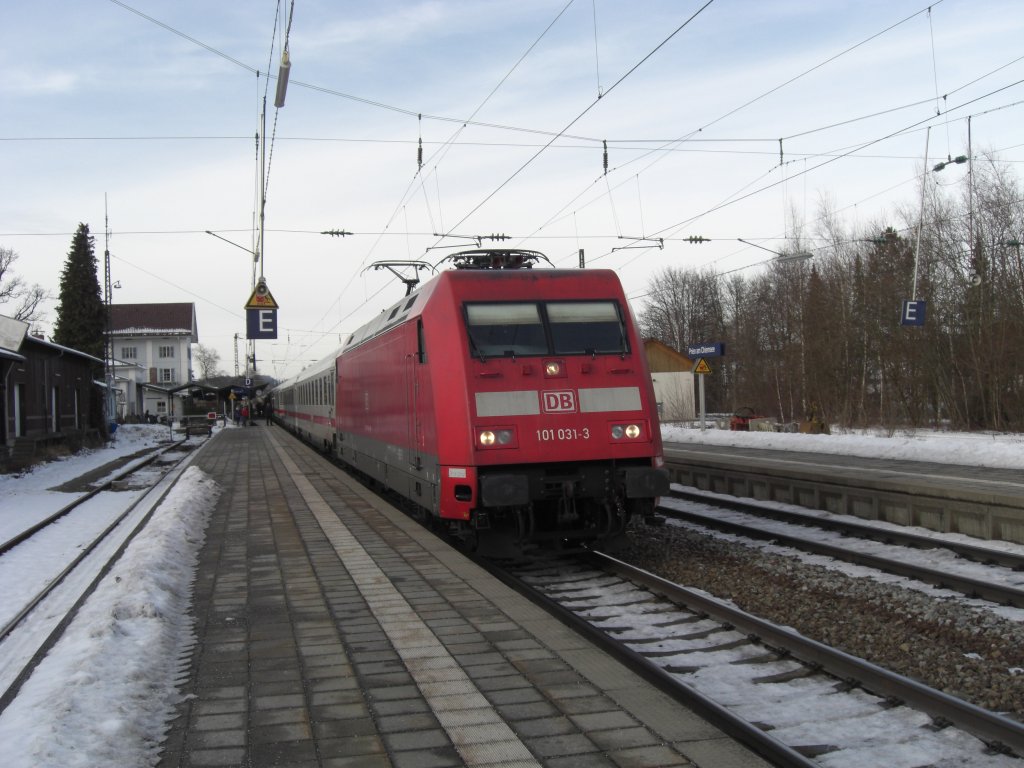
(13, 289)
(208, 361)
(826, 337)
(685, 307)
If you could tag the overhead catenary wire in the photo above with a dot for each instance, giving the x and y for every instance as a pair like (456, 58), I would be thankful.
(409, 189)
(471, 122)
(758, 98)
(597, 56)
(428, 197)
(837, 157)
(830, 156)
(578, 117)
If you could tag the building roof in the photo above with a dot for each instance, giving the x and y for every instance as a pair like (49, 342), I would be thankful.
(171, 319)
(14, 340)
(31, 340)
(661, 358)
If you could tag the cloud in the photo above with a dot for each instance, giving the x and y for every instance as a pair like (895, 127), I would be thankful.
(19, 82)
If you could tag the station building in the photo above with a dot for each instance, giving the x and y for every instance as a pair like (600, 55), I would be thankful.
(152, 351)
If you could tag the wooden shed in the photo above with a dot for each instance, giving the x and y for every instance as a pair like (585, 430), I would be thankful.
(672, 376)
(51, 396)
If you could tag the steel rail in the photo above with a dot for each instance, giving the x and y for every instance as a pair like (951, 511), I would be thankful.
(757, 740)
(1001, 594)
(7, 696)
(973, 552)
(26, 534)
(997, 731)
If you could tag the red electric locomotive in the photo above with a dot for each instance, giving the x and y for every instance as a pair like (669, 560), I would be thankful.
(512, 405)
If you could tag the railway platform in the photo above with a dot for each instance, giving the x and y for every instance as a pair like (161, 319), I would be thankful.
(982, 502)
(333, 631)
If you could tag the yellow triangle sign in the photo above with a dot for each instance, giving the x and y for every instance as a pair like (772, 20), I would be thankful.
(702, 366)
(261, 298)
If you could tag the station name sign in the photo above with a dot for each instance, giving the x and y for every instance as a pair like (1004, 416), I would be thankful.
(706, 349)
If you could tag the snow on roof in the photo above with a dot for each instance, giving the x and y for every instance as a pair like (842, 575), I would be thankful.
(153, 319)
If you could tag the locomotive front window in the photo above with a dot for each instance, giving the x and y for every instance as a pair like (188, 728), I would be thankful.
(586, 327)
(505, 330)
(556, 327)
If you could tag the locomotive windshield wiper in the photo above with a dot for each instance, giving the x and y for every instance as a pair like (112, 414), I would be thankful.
(476, 350)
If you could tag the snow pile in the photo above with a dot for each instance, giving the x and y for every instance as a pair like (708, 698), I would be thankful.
(106, 692)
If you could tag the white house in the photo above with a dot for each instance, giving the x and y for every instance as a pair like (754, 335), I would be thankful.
(152, 351)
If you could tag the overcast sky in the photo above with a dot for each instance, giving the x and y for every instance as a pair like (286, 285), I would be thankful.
(149, 110)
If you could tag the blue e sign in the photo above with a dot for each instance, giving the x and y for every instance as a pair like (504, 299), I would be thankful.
(261, 324)
(913, 312)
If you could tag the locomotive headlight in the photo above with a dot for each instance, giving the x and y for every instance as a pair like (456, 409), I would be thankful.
(552, 368)
(496, 438)
(629, 431)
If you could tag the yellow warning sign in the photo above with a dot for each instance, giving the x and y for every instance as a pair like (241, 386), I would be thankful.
(702, 366)
(261, 297)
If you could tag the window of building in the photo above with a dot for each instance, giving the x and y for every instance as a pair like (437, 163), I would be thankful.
(166, 352)
(167, 376)
(129, 353)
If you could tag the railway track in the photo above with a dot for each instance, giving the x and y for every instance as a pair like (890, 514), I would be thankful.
(45, 609)
(789, 698)
(888, 534)
(106, 485)
(984, 502)
(838, 709)
(1002, 580)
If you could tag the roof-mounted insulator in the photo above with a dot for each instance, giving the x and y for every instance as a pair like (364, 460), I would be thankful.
(496, 258)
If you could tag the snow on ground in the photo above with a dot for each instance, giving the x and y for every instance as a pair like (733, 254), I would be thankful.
(106, 692)
(27, 497)
(975, 449)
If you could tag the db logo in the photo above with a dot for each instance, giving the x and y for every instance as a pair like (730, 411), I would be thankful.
(559, 402)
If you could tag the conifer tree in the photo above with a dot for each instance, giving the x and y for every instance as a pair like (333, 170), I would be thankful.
(81, 314)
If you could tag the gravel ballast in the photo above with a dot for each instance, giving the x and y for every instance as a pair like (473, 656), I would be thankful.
(966, 651)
